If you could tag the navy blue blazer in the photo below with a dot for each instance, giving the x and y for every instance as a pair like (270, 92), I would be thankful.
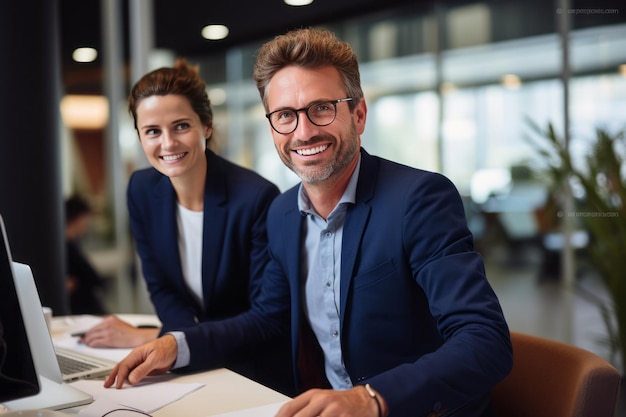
(234, 241)
(419, 320)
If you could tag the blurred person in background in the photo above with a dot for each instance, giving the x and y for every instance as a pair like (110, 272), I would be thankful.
(85, 284)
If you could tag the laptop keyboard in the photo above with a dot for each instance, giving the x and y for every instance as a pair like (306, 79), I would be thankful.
(70, 366)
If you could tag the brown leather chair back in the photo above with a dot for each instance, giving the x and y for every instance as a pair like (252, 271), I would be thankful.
(554, 379)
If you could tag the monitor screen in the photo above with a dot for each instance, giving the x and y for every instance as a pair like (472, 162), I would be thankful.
(18, 377)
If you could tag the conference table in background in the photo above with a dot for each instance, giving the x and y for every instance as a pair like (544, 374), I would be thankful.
(223, 390)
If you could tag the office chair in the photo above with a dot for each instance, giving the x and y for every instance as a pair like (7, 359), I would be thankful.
(554, 379)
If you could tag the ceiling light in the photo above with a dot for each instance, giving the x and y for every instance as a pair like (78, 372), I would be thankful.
(511, 81)
(447, 87)
(298, 2)
(217, 96)
(214, 32)
(85, 112)
(84, 54)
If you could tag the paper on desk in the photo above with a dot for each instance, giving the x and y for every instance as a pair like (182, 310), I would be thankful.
(78, 323)
(63, 327)
(268, 410)
(147, 397)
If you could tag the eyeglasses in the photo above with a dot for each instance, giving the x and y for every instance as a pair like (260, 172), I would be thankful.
(321, 113)
(124, 412)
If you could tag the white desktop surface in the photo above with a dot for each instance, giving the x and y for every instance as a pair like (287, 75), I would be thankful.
(223, 391)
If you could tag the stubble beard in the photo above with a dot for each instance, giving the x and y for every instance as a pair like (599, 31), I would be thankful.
(314, 174)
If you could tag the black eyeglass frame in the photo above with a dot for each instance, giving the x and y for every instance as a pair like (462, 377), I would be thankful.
(306, 111)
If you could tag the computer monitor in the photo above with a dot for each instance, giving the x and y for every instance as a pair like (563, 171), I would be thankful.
(18, 377)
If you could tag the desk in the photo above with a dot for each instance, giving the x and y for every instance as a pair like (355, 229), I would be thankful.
(223, 390)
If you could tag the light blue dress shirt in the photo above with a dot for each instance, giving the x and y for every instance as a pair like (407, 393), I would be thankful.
(321, 253)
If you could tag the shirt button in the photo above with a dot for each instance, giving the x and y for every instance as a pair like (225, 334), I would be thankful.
(328, 284)
(328, 234)
(335, 333)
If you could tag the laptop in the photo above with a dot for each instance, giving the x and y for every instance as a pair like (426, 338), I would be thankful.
(73, 365)
(53, 393)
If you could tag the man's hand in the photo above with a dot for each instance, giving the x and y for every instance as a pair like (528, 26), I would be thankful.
(156, 357)
(355, 402)
(113, 332)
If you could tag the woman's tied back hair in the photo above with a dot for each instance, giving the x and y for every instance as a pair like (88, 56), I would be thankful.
(181, 79)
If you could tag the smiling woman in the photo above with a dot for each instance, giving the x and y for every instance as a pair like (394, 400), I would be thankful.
(174, 140)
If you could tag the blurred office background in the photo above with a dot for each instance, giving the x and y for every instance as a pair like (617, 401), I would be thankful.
(451, 86)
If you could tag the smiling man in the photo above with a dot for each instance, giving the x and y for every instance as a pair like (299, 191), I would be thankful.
(371, 262)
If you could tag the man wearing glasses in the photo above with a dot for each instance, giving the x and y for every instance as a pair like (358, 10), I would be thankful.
(390, 309)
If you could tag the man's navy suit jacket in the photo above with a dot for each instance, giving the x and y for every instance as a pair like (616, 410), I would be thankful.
(419, 320)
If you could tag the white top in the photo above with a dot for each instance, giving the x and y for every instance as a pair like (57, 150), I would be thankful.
(190, 227)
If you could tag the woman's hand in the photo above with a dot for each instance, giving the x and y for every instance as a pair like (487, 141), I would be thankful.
(115, 333)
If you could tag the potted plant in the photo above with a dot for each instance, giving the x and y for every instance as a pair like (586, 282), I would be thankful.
(601, 210)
